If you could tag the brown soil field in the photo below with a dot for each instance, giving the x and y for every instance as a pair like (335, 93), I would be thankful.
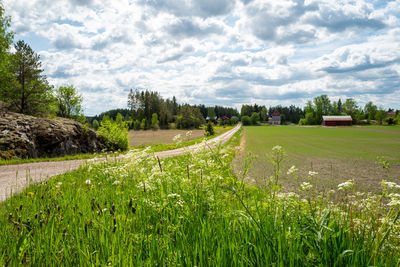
(137, 138)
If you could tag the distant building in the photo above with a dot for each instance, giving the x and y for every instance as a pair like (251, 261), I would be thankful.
(275, 118)
(337, 120)
(213, 120)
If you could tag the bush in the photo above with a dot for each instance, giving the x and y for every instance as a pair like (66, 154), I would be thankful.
(209, 129)
(95, 125)
(154, 122)
(246, 120)
(115, 134)
(254, 118)
(234, 120)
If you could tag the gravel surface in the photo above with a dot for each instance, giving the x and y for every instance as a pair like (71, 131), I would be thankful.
(13, 178)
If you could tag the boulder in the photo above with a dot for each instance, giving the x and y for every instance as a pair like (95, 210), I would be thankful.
(23, 136)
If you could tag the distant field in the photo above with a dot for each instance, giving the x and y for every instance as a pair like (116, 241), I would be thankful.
(337, 154)
(137, 138)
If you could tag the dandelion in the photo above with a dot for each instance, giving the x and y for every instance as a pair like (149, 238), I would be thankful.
(312, 173)
(346, 185)
(292, 170)
(88, 181)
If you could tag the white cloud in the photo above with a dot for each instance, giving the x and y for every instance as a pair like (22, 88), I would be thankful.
(216, 51)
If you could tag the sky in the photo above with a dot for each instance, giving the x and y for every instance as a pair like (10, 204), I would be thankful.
(216, 52)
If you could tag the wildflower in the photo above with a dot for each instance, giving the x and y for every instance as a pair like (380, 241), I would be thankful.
(277, 148)
(173, 195)
(346, 185)
(306, 186)
(188, 134)
(390, 185)
(116, 182)
(312, 173)
(88, 181)
(292, 170)
(177, 138)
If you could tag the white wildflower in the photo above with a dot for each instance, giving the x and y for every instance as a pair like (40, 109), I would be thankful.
(292, 170)
(306, 186)
(88, 181)
(188, 134)
(59, 183)
(116, 182)
(173, 195)
(277, 148)
(346, 185)
(390, 185)
(312, 173)
(177, 138)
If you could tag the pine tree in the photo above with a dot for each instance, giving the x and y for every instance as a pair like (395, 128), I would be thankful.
(27, 90)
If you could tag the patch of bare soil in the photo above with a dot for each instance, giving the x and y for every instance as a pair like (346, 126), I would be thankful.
(367, 175)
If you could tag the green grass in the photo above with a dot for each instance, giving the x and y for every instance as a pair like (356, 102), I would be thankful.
(338, 153)
(193, 211)
(68, 157)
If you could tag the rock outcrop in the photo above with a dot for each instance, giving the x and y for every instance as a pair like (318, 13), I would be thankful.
(23, 136)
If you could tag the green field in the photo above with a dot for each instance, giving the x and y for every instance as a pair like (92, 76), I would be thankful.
(337, 153)
(193, 211)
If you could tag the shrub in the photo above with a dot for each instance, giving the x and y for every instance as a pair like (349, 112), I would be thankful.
(254, 118)
(136, 125)
(234, 120)
(115, 134)
(209, 129)
(95, 125)
(246, 120)
(154, 122)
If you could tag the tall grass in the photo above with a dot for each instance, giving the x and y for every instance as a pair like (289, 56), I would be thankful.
(192, 210)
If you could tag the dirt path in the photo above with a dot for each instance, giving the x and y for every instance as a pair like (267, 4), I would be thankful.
(13, 178)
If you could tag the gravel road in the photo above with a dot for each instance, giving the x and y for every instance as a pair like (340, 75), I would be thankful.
(13, 178)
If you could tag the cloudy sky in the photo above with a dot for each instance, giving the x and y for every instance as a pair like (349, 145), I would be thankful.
(225, 52)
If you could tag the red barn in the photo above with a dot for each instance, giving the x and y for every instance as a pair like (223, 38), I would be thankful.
(337, 120)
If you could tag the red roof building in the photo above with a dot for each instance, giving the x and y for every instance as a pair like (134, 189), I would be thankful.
(337, 120)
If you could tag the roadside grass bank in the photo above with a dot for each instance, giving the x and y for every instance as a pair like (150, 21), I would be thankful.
(337, 154)
(183, 142)
(68, 157)
(192, 210)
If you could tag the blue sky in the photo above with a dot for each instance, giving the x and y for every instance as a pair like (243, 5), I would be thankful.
(216, 52)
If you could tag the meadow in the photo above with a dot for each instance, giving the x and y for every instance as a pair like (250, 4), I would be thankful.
(193, 210)
(337, 153)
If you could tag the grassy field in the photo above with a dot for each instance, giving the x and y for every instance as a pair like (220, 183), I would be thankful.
(337, 154)
(192, 211)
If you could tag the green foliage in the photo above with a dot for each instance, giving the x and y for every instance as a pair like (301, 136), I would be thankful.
(380, 115)
(143, 124)
(154, 122)
(209, 129)
(255, 118)
(246, 120)
(136, 125)
(69, 102)
(264, 114)
(211, 113)
(26, 88)
(115, 134)
(95, 125)
(234, 120)
(397, 119)
(370, 110)
(189, 117)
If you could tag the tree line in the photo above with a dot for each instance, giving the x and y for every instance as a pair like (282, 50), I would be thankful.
(321, 106)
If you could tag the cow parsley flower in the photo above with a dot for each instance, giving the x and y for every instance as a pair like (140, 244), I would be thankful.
(188, 134)
(306, 186)
(292, 170)
(277, 148)
(346, 185)
(177, 138)
(312, 173)
(88, 181)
